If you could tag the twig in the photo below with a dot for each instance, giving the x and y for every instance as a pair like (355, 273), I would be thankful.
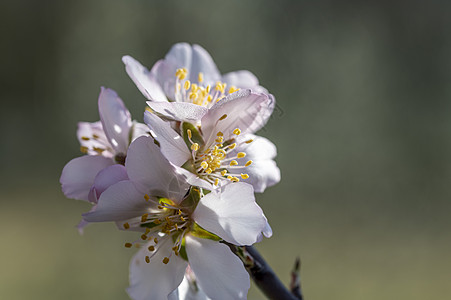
(295, 285)
(263, 276)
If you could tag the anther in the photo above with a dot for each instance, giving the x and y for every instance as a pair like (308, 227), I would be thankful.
(190, 135)
(244, 176)
(241, 154)
(126, 226)
(128, 245)
(223, 117)
(204, 165)
(249, 141)
(146, 197)
(248, 163)
(144, 237)
(233, 163)
(200, 77)
(147, 259)
(237, 131)
(223, 172)
(151, 248)
(95, 136)
(219, 133)
(165, 260)
(155, 240)
(84, 149)
(195, 146)
(216, 181)
(144, 218)
(85, 138)
(187, 85)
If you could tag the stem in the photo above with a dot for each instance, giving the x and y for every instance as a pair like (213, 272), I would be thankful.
(264, 277)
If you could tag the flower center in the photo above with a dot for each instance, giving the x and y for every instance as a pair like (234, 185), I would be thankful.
(199, 93)
(165, 222)
(216, 163)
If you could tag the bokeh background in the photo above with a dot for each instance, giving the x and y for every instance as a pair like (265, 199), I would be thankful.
(363, 129)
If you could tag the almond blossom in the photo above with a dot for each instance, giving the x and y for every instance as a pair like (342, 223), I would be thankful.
(184, 84)
(180, 224)
(105, 142)
(222, 148)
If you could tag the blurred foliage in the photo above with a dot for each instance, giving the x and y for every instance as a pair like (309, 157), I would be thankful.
(363, 130)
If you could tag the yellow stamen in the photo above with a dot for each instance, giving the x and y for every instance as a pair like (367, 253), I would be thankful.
(84, 149)
(95, 136)
(144, 218)
(146, 197)
(200, 77)
(151, 248)
(144, 237)
(223, 172)
(85, 138)
(195, 146)
(248, 163)
(165, 260)
(233, 163)
(190, 135)
(147, 259)
(237, 131)
(128, 245)
(241, 154)
(204, 165)
(244, 176)
(187, 85)
(223, 117)
(126, 226)
(216, 181)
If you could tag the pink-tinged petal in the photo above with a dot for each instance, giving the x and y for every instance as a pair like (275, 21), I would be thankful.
(178, 111)
(139, 129)
(263, 172)
(244, 80)
(155, 280)
(106, 178)
(78, 175)
(219, 272)
(116, 120)
(92, 136)
(172, 144)
(232, 214)
(151, 171)
(194, 58)
(143, 79)
(120, 201)
(244, 109)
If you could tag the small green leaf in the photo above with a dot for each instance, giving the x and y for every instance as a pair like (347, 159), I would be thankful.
(199, 232)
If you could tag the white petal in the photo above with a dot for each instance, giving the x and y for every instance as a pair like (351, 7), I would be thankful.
(245, 110)
(151, 171)
(263, 172)
(120, 201)
(116, 119)
(155, 280)
(179, 111)
(241, 79)
(78, 175)
(182, 55)
(186, 291)
(139, 129)
(232, 214)
(220, 273)
(172, 144)
(105, 178)
(143, 79)
(86, 132)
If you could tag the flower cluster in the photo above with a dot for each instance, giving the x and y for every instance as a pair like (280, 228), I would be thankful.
(185, 180)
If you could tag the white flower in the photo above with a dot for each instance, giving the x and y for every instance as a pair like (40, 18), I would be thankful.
(222, 147)
(184, 84)
(178, 228)
(105, 142)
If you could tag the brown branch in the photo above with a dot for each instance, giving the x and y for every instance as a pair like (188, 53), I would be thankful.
(264, 277)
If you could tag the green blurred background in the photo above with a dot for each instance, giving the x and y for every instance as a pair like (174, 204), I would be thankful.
(363, 129)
